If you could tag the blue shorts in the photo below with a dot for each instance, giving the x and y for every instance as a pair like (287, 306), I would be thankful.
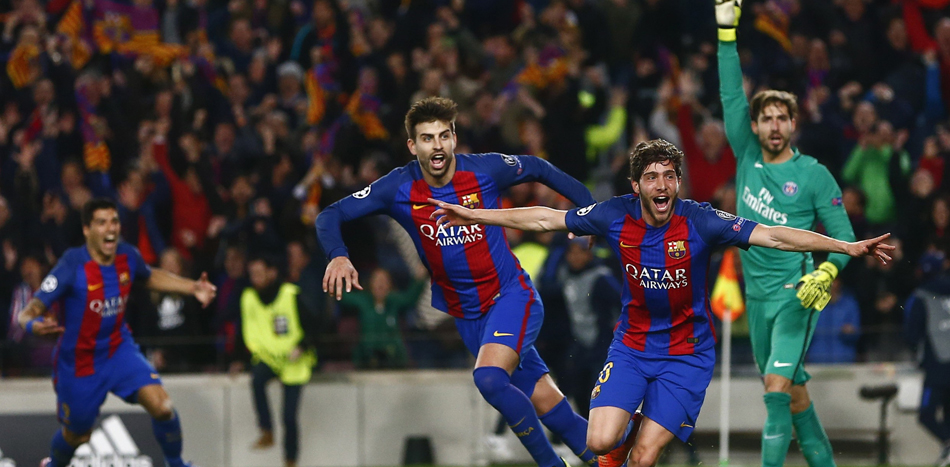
(671, 387)
(514, 321)
(78, 399)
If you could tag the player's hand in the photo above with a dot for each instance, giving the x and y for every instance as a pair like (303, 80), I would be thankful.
(872, 247)
(814, 288)
(340, 271)
(727, 17)
(205, 291)
(451, 215)
(591, 240)
(46, 326)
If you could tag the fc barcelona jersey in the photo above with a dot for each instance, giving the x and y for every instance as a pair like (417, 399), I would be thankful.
(665, 301)
(94, 299)
(470, 266)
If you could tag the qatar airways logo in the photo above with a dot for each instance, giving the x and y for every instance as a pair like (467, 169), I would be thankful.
(108, 307)
(453, 235)
(658, 278)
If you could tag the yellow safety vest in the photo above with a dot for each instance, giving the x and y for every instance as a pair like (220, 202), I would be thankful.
(271, 332)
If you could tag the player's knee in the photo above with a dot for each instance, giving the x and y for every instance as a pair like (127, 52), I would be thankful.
(601, 441)
(75, 439)
(643, 456)
(162, 411)
(800, 405)
(491, 381)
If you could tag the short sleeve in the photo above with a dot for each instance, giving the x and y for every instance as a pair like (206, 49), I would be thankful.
(57, 283)
(588, 220)
(720, 227)
(141, 270)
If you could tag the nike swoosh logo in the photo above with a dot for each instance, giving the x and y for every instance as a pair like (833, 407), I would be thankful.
(502, 334)
(773, 436)
(684, 425)
(95, 286)
(419, 206)
(758, 165)
(781, 365)
(624, 245)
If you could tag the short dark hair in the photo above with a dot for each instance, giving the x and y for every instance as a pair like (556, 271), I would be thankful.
(96, 204)
(655, 150)
(764, 99)
(431, 109)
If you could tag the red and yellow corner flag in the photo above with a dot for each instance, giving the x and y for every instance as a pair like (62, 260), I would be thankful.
(726, 294)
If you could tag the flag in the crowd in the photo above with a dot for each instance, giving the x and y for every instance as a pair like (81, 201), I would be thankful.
(726, 294)
(773, 22)
(364, 110)
(23, 65)
(72, 28)
(95, 153)
(318, 82)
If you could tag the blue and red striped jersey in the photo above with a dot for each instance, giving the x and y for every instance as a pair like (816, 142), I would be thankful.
(665, 296)
(470, 266)
(93, 298)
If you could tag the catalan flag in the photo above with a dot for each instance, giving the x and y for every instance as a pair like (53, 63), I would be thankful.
(726, 294)
(23, 66)
(95, 153)
(364, 110)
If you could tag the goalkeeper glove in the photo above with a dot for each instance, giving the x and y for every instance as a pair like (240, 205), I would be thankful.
(727, 16)
(814, 289)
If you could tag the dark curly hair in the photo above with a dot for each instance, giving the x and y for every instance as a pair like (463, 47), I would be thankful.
(655, 150)
(431, 109)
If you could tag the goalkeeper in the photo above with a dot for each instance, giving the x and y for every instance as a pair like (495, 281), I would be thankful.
(777, 185)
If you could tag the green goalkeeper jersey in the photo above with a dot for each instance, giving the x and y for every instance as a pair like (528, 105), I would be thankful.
(797, 193)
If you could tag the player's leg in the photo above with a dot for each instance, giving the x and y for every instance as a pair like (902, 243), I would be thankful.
(651, 440)
(291, 425)
(619, 390)
(557, 414)
(811, 436)
(135, 380)
(778, 421)
(492, 375)
(166, 424)
(674, 397)
(497, 339)
(260, 375)
(77, 407)
(792, 329)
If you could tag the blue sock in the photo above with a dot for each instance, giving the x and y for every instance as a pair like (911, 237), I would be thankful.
(626, 433)
(495, 385)
(168, 434)
(572, 428)
(61, 453)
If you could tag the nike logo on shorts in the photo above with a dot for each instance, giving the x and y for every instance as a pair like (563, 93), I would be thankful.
(502, 334)
(779, 364)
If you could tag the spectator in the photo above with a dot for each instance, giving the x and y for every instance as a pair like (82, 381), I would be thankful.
(926, 330)
(278, 331)
(836, 335)
(381, 310)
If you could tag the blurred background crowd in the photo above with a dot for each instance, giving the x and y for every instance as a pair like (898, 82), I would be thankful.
(223, 127)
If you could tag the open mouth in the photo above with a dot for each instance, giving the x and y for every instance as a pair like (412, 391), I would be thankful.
(776, 140)
(437, 161)
(662, 203)
(110, 241)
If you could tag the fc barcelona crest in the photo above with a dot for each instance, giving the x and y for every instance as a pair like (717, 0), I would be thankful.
(124, 278)
(676, 249)
(471, 201)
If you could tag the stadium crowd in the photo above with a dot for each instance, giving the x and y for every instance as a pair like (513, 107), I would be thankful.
(223, 127)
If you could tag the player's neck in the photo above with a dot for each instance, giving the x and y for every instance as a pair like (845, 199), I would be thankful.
(784, 156)
(99, 257)
(443, 180)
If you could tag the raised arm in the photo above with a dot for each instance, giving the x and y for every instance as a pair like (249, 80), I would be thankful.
(164, 281)
(791, 239)
(735, 105)
(512, 170)
(537, 219)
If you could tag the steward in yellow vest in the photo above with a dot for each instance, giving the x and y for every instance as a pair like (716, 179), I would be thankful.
(278, 331)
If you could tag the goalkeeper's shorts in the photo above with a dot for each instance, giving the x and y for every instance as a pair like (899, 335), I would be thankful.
(781, 331)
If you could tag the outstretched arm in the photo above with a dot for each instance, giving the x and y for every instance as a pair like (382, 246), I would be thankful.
(537, 219)
(164, 281)
(790, 239)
